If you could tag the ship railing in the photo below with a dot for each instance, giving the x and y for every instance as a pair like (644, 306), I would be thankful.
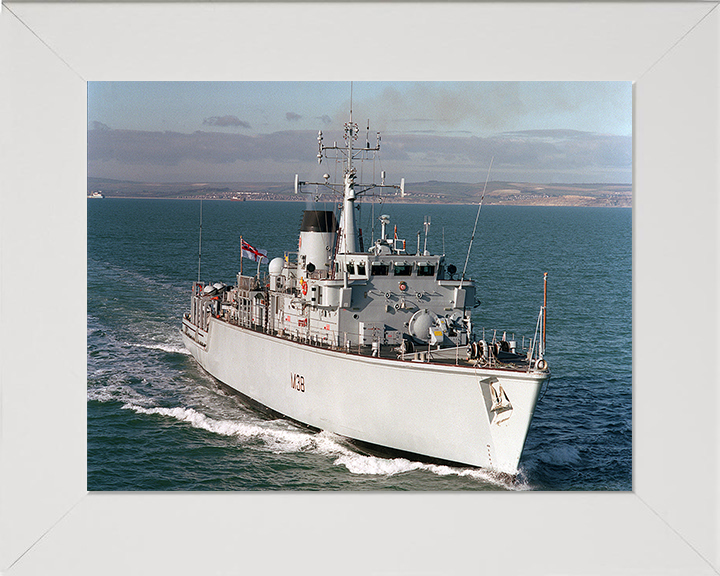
(248, 283)
(287, 257)
(502, 336)
(500, 343)
(339, 341)
(399, 245)
(319, 275)
(536, 342)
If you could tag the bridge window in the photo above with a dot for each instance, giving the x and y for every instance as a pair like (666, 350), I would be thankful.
(350, 267)
(425, 269)
(379, 269)
(361, 268)
(402, 269)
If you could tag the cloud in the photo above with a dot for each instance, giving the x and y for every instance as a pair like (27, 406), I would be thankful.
(292, 116)
(548, 134)
(533, 155)
(325, 119)
(488, 107)
(95, 125)
(569, 155)
(224, 121)
(138, 147)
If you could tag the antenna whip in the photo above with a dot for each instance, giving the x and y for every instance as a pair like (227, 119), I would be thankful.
(476, 220)
(200, 242)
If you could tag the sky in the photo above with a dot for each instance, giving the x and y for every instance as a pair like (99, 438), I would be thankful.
(543, 132)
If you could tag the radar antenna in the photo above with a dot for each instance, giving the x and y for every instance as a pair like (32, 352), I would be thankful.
(350, 187)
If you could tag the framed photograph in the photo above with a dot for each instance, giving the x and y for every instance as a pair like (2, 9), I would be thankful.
(667, 524)
(414, 386)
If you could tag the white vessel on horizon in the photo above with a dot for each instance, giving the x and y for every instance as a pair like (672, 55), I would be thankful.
(376, 345)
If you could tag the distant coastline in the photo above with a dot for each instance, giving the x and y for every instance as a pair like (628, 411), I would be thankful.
(433, 192)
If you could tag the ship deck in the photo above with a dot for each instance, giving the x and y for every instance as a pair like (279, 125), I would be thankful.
(455, 355)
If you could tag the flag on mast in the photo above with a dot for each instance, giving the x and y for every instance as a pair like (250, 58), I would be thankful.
(247, 251)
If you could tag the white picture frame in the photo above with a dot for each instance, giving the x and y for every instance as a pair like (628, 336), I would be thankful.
(668, 524)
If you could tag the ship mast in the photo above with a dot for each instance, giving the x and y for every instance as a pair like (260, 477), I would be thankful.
(351, 189)
(348, 238)
(348, 243)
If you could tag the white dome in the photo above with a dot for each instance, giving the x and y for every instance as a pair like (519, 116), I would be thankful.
(421, 323)
(276, 266)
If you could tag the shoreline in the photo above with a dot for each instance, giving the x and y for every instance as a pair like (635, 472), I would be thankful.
(495, 193)
(541, 204)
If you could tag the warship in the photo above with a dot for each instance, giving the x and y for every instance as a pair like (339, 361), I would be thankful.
(376, 344)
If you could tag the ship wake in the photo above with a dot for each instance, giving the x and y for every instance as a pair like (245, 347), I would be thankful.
(148, 378)
(284, 437)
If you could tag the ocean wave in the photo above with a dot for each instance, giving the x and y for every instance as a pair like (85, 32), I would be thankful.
(237, 428)
(117, 392)
(170, 348)
(109, 272)
(373, 465)
(283, 437)
(151, 334)
(561, 455)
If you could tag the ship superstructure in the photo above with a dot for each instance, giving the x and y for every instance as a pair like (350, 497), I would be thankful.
(374, 344)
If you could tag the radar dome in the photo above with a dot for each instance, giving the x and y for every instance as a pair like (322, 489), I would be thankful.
(276, 266)
(421, 323)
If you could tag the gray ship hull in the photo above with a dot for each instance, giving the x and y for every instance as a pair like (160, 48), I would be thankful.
(469, 415)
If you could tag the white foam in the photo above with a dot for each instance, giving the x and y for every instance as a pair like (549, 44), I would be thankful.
(117, 392)
(362, 464)
(199, 420)
(359, 464)
(373, 465)
(165, 348)
(283, 437)
(278, 440)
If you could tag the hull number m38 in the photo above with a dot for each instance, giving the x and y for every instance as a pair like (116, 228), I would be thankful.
(297, 382)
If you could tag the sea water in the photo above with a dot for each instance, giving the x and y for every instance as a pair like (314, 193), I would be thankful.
(156, 421)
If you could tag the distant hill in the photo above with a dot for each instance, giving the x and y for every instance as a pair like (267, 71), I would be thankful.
(128, 189)
(506, 193)
(526, 193)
